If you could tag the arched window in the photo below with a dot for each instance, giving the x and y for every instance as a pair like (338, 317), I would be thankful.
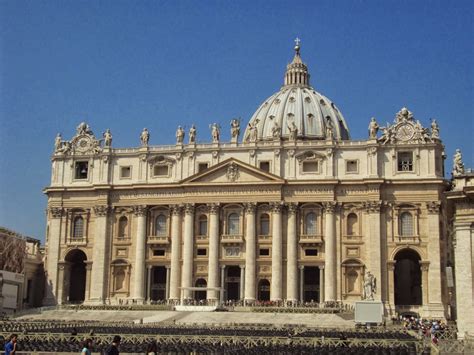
(160, 225)
(310, 227)
(406, 224)
(203, 224)
(78, 227)
(265, 224)
(233, 224)
(352, 224)
(122, 228)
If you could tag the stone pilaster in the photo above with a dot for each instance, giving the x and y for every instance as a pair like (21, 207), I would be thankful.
(434, 256)
(99, 255)
(292, 255)
(242, 282)
(374, 248)
(174, 293)
(139, 275)
(54, 238)
(301, 283)
(213, 268)
(330, 259)
(463, 277)
(250, 252)
(276, 284)
(188, 247)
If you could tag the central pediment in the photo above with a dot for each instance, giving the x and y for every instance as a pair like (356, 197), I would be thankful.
(231, 172)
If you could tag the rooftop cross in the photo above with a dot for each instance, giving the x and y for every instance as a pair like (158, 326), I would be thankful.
(297, 41)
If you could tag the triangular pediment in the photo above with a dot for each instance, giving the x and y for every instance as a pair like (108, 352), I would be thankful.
(231, 172)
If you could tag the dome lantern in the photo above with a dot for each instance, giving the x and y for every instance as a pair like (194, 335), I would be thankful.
(297, 72)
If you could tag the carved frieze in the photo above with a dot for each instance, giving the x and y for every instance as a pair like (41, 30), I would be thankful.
(56, 212)
(233, 173)
(433, 207)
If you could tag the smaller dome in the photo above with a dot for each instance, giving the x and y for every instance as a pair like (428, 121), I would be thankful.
(298, 105)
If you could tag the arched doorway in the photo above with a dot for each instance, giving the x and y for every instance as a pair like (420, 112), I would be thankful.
(77, 275)
(264, 290)
(407, 278)
(232, 283)
(311, 284)
(200, 295)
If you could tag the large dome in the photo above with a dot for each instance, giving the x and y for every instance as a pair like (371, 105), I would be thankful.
(313, 114)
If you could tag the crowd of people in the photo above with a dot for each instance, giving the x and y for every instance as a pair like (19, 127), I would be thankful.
(432, 328)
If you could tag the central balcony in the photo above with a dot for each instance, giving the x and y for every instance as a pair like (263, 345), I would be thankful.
(232, 238)
(158, 239)
(311, 238)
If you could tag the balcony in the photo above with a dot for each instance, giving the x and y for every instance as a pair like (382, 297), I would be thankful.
(201, 239)
(264, 237)
(311, 239)
(407, 239)
(77, 241)
(232, 238)
(158, 239)
(352, 239)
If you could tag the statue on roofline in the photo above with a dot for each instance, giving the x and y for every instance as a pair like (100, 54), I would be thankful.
(373, 128)
(145, 137)
(179, 135)
(107, 138)
(192, 134)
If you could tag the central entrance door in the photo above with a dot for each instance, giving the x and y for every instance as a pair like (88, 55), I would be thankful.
(232, 283)
(311, 284)
(77, 275)
(158, 288)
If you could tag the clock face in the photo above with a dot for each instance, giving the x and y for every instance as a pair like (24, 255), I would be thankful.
(405, 132)
(83, 144)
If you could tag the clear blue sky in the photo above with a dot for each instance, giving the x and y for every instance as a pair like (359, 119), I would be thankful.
(126, 65)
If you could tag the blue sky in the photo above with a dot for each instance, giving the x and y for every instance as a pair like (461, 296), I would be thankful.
(126, 65)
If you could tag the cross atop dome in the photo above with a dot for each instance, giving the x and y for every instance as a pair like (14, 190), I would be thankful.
(297, 45)
(297, 71)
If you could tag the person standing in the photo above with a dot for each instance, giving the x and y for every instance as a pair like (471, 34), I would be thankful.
(113, 348)
(86, 350)
(10, 347)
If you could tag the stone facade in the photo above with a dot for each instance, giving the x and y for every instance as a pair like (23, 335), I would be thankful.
(295, 211)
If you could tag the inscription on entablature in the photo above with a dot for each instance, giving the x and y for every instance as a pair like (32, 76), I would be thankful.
(296, 191)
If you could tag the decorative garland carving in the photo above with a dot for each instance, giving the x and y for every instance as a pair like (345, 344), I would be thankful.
(101, 210)
(233, 173)
(56, 212)
(433, 207)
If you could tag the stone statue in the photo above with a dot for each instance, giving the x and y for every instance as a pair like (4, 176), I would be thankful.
(215, 132)
(58, 143)
(145, 137)
(252, 132)
(192, 134)
(179, 135)
(293, 131)
(234, 129)
(83, 128)
(369, 286)
(373, 128)
(276, 130)
(403, 115)
(458, 165)
(107, 138)
(388, 135)
(329, 129)
(434, 129)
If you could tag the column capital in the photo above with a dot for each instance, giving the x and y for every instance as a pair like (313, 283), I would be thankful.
(330, 206)
(433, 207)
(56, 212)
(139, 210)
(101, 210)
(189, 208)
(242, 266)
(372, 206)
(176, 209)
(222, 267)
(425, 265)
(292, 208)
(391, 265)
(250, 207)
(213, 208)
(276, 207)
(301, 267)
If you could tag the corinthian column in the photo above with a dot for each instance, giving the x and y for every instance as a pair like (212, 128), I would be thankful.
(187, 276)
(292, 262)
(250, 246)
(276, 285)
(434, 256)
(175, 247)
(213, 280)
(53, 238)
(99, 255)
(374, 247)
(330, 253)
(139, 275)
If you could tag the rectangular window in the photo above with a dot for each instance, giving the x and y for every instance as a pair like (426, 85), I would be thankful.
(158, 252)
(201, 252)
(351, 166)
(264, 252)
(160, 170)
(405, 161)
(202, 167)
(311, 252)
(265, 166)
(81, 170)
(125, 172)
(310, 167)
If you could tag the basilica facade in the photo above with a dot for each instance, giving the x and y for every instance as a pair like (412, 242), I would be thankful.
(291, 209)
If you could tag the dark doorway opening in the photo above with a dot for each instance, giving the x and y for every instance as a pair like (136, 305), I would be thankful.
(407, 278)
(158, 283)
(264, 290)
(311, 284)
(200, 295)
(77, 275)
(232, 283)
